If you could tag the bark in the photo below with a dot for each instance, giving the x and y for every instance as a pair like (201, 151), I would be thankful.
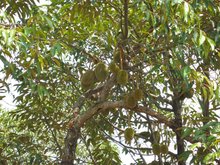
(205, 100)
(177, 108)
(205, 111)
(70, 143)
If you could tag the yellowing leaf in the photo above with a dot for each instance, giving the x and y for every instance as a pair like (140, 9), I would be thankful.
(41, 61)
(56, 61)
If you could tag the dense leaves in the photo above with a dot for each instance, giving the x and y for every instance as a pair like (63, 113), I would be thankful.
(80, 63)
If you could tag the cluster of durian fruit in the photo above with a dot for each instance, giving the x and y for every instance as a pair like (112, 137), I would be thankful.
(100, 74)
(132, 98)
(90, 77)
(159, 149)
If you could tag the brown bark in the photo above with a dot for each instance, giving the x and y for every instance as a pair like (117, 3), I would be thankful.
(205, 99)
(177, 109)
(70, 141)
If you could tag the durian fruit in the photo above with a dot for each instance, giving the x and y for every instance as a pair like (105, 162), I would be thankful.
(163, 149)
(101, 72)
(122, 77)
(130, 101)
(129, 134)
(154, 163)
(156, 149)
(138, 94)
(88, 79)
(113, 68)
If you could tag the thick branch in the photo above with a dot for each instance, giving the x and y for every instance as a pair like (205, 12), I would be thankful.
(99, 107)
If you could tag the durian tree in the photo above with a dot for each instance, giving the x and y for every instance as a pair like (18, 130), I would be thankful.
(139, 75)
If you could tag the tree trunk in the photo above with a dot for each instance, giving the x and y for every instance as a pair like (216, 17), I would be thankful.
(205, 100)
(70, 143)
(177, 108)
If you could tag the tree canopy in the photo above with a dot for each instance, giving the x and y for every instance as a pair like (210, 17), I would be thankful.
(96, 77)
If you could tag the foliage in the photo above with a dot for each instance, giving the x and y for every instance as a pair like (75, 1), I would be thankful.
(21, 145)
(168, 49)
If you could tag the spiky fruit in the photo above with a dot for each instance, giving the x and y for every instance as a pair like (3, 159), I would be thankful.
(154, 163)
(101, 72)
(156, 149)
(163, 149)
(130, 101)
(122, 77)
(138, 94)
(88, 79)
(113, 67)
(129, 134)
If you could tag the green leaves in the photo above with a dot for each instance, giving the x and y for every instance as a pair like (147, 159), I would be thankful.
(184, 156)
(187, 132)
(104, 153)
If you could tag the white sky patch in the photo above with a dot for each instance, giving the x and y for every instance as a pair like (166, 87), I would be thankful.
(8, 101)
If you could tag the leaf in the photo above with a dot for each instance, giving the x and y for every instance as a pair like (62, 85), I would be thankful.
(187, 132)
(56, 61)
(41, 61)
(202, 37)
(185, 72)
(186, 11)
(1, 97)
(211, 43)
(195, 145)
(204, 93)
(49, 22)
(184, 156)
(6, 52)
(5, 34)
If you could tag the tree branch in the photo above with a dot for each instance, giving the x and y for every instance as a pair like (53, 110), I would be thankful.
(97, 108)
(126, 19)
